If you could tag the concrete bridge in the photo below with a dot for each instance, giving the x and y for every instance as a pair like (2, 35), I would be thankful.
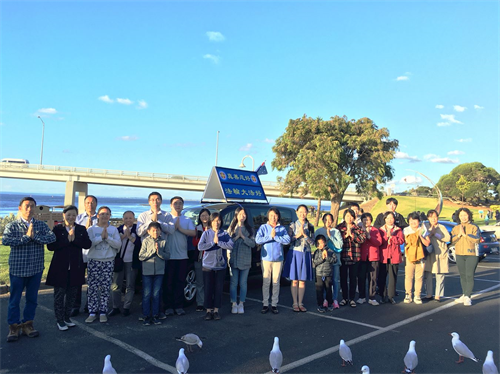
(77, 180)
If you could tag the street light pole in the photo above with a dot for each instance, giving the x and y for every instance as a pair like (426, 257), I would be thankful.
(217, 148)
(242, 165)
(43, 132)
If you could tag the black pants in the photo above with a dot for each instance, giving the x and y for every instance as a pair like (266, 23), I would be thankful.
(64, 300)
(351, 272)
(367, 269)
(392, 271)
(174, 282)
(324, 285)
(78, 298)
(213, 284)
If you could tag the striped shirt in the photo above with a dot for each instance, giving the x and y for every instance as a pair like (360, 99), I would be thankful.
(27, 254)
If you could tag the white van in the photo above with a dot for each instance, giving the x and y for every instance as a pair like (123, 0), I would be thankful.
(15, 160)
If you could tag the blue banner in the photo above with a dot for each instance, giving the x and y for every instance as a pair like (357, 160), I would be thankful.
(240, 184)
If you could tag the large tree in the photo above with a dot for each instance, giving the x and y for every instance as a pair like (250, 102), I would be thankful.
(471, 182)
(324, 157)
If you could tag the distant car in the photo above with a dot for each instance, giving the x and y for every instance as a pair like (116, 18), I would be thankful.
(256, 213)
(14, 161)
(488, 243)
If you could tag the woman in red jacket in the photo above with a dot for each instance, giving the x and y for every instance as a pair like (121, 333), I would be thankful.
(391, 257)
(370, 257)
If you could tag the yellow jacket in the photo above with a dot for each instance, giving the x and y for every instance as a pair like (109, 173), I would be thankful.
(465, 245)
(414, 248)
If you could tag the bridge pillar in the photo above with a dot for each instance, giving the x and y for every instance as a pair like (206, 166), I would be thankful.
(71, 189)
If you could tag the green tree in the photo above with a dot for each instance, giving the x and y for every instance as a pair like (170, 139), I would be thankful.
(323, 158)
(471, 182)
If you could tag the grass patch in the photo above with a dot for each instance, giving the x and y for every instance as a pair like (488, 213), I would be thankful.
(4, 264)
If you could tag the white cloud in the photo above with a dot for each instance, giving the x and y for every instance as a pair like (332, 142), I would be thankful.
(406, 156)
(459, 108)
(106, 99)
(410, 179)
(124, 101)
(247, 147)
(128, 138)
(456, 152)
(215, 59)
(445, 160)
(439, 106)
(270, 141)
(215, 36)
(402, 78)
(142, 104)
(429, 156)
(47, 111)
(441, 124)
(467, 140)
(450, 117)
(477, 107)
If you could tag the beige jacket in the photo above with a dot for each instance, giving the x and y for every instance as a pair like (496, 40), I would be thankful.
(466, 245)
(437, 261)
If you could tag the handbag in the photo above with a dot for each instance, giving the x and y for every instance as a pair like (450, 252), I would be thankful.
(119, 259)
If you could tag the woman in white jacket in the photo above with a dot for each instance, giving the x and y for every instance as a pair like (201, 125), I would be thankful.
(101, 259)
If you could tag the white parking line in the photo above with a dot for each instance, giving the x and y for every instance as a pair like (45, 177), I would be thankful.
(475, 279)
(151, 360)
(327, 316)
(372, 334)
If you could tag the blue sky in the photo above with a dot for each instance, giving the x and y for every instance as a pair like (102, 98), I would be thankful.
(145, 86)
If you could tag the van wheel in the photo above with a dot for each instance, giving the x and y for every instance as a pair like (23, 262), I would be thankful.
(190, 288)
(451, 254)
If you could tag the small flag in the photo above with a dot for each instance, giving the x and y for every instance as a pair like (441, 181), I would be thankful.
(261, 170)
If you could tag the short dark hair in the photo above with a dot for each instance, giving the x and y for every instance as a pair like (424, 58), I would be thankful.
(318, 238)
(389, 214)
(466, 210)
(92, 197)
(27, 198)
(353, 204)
(276, 211)
(351, 212)
(154, 225)
(67, 208)
(391, 200)
(366, 215)
(128, 211)
(431, 212)
(302, 206)
(154, 193)
(414, 215)
(326, 215)
(176, 198)
(103, 207)
(214, 215)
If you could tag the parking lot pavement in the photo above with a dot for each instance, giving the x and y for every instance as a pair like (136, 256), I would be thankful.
(378, 336)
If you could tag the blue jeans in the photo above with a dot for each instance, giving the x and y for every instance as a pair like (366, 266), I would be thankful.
(151, 293)
(17, 285)
(240, 277)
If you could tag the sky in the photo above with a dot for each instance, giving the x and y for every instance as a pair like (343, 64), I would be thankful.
(145, 86)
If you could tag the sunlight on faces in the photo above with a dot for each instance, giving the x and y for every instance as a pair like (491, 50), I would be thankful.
(391, 206)
(177, 205)
(273, 218)
(328, 221)
(356, 210)
(463, 216)
(154, 232)
(70, 217)
(242, 217)
(27, 210)
(103, 216)
(320, 244)
(302, 214)
(204, 217)
(216, 224)
(414, 223)
(389, 220)
(433, 219)
(155, 202)
(349, 219)
(128, 219)
(367, 221)
(90, 205)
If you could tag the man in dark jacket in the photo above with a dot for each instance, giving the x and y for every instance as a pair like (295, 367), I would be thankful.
(391, 204)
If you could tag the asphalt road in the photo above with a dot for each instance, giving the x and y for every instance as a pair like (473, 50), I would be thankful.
(378, 336)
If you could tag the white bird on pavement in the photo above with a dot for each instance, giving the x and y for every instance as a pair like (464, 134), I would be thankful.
(461, 349)
(345, 353)
(489, 366)
(190, 340)
(108, 368)
(182, 363)
(411, 359)
(365, 370)
(275, 356)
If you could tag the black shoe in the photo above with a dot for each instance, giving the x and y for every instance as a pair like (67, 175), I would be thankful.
(126, 312)
(392, 301)
(114, 312)
(216, 316)
(162, 316)
(209, 316)
(74, 312)
(265, 309)
(275, 310)
(155, 320)
(200, 308)
(147, 321)
(321, 309)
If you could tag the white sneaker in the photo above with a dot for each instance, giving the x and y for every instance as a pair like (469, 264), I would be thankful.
(373, 302)
(62, 326)
(234, 309)
(417, 300)
(361, 301)
(460, 299)
(407, 299)
(241, 310)
(467, 301)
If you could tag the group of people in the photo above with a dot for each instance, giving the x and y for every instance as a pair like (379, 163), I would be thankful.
(356, 256)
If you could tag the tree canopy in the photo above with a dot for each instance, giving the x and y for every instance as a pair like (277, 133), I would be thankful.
(324, 157)
(471, 182)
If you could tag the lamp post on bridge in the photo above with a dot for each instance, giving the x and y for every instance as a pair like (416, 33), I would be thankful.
(43, 132)
(242, 165)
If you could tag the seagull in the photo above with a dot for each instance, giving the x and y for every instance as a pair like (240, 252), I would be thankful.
(411, 359)
(182, 363)
(275, 356)
(108, 368)
(461, 349)
(190, 340)
(345, 353)
(365, 370)
(489, 366)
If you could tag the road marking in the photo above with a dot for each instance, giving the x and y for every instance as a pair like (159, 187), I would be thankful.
(475, 279)
(372, 334)
(326, 316)
(151, 360)
(488, 267)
